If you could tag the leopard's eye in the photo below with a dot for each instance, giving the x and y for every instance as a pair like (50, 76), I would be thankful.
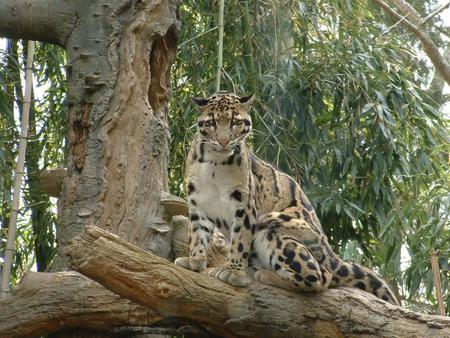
(210, 123)
(237, 122)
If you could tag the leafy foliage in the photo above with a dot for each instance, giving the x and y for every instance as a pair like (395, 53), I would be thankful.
(342, 106)
(36, 229)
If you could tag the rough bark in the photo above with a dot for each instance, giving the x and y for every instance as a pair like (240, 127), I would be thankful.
(258, 310)
(119, 58)
(46, 302)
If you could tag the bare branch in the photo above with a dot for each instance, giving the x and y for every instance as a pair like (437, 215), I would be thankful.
(437, 11)
(45, 20)
(412, 20)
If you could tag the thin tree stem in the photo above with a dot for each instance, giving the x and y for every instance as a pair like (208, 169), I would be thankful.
(18, 175)
(437, 282)
(437, 11)
(220, 49)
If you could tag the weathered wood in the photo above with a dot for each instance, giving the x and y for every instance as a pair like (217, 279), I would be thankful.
(51, 181)
(258, 310)
(46, 302)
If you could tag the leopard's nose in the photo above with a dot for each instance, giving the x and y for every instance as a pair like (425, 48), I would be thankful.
(223, 141)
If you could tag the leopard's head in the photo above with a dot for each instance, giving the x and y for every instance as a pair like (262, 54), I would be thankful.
(224, 119)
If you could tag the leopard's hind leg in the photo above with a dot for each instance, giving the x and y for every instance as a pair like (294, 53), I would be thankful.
(286, 263)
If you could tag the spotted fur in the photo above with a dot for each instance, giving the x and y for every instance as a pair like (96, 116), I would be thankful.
(270, 223)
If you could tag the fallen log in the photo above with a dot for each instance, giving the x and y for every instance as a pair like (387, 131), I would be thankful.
(48, 302)
(256, 311)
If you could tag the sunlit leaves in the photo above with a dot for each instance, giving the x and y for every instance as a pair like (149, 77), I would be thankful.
(341, 106)
(47, 131)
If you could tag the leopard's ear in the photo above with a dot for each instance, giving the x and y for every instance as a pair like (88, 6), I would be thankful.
(247, 99)
(199, 101)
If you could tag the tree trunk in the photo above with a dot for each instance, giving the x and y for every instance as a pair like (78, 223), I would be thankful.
(256, 311)
(119, 57)
(118, 69)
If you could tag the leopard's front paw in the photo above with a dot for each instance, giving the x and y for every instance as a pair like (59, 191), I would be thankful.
(230, 276)
(192, 263)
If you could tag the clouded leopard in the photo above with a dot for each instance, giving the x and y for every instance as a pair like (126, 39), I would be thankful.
(270, 223)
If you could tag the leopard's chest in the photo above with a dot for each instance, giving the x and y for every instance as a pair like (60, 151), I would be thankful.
(215, 186)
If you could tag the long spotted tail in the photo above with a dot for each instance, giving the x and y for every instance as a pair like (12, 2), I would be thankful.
(355, 275)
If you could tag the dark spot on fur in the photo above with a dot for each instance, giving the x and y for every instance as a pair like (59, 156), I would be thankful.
(247, 222)
(193, 202)
(240, 247)
(289, 254)
(205, 229)
(306, 215)
(343, 271)
(230, 160)
(305, 256)
(311, 265)
(236, 195)
(202, 152)
(194, 217)
(239, 213)
(279, 243)
(360, 285)
(296, 266)
(237, 228)
(333, 264)
(305, 202)
(261, 226)
(311, 278)
(245, 255)
(277, 266)
(375, 283)
(284, 217)
(298, 277)
(191, 188)
(357, 272)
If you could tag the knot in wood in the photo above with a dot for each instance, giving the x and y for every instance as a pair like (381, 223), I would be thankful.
(164, 290)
